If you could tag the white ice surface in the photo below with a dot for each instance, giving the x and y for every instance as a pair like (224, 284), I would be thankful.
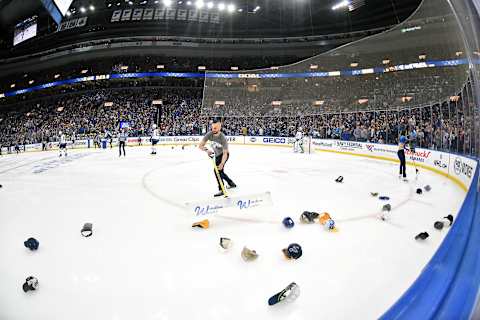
(144, 261)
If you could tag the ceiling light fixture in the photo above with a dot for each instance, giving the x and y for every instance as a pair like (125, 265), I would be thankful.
(340, 5)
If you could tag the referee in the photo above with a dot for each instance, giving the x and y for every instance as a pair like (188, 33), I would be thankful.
(220, 149)
(122, 139)
(401, 156)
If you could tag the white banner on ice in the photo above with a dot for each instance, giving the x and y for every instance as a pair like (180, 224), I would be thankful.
(242, 203)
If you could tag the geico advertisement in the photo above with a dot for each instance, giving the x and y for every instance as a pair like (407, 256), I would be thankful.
(269, 140)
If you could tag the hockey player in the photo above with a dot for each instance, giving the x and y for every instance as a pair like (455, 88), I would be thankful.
(17, 147)
(221, 153)
(155, 138)
(97, 141)
(44, 143)
(109, 137)
(62, 146)
(298, 144)
(401, 156)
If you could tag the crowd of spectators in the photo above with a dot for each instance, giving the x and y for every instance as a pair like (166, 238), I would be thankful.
(93, 113)
(436, 129)
(96, 112)
(308, 95)
(374, 91)
(124, 64)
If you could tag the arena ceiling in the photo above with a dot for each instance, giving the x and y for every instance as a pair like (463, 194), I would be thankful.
(247, 18)
(298, 14)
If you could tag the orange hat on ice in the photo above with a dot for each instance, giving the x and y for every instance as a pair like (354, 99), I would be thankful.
(324, 217)
(204, 224)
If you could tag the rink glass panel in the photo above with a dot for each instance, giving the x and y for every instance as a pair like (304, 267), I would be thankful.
(423, 72)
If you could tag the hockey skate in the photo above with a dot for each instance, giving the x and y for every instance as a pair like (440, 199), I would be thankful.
(219, 194)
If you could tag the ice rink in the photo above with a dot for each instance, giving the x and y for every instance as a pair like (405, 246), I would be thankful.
(144, 261)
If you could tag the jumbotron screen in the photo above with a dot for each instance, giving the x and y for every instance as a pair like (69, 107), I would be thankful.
(25, 30)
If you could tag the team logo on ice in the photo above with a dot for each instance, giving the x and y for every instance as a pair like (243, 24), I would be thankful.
(52, 164)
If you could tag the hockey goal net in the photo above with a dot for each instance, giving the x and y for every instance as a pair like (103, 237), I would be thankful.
(303, 145)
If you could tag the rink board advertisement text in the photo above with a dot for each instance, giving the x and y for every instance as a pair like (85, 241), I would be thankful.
(458, 168)
(269, 141)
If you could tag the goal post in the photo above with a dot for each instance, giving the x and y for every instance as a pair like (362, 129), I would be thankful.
(303, 146)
